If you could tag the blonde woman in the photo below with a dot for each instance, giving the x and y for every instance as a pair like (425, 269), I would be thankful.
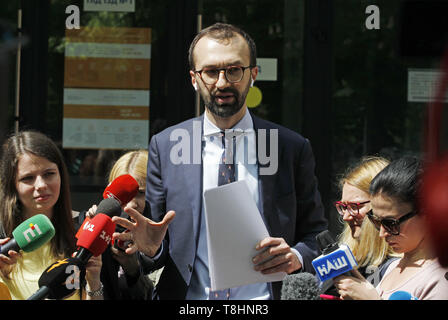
(371, 251)
(121, 272)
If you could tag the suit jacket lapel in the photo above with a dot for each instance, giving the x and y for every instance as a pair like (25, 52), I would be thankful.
(193, 173)
(266, 183)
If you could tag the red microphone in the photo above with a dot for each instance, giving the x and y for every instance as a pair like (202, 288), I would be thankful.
(123, 188)
(95, 235)
(110, 207)
(118, 193)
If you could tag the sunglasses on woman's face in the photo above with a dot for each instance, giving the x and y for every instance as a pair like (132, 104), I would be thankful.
(391, 225)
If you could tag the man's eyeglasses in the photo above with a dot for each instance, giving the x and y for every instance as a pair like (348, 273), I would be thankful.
(351, 207)
(391, 225)
(232, 73)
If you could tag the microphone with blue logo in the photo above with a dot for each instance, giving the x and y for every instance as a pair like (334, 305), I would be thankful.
(335, 259)
(402, 295)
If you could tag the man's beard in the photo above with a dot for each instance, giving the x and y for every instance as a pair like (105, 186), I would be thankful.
(229, 109)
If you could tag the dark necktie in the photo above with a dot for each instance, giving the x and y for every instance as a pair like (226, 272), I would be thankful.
(226, 172)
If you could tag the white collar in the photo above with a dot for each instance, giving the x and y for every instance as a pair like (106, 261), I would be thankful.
(245, 125)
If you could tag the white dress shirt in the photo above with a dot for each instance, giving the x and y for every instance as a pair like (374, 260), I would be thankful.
(245, 169)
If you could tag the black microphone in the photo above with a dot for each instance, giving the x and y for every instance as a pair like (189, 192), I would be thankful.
(110, 207)
(60, 280)
(326, 242)
(300, 286)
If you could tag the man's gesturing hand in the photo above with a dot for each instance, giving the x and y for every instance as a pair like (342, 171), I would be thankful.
(145, 234)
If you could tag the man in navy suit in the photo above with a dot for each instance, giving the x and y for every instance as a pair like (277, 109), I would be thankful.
(184, 161)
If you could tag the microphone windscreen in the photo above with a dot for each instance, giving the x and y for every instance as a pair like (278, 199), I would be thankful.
(61, 276)
(325, 241)
(402, 295)
(300, 286)
(110, 207)
(123, 188)
(34, 232)
(96, 234)
(434, 204)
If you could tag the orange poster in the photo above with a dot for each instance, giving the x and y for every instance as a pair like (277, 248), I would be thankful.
(106, 87)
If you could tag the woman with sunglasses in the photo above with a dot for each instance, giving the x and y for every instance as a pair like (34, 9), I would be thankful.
(395, 213)
(371, 252)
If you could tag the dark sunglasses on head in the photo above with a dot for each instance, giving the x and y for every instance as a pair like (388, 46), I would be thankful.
(391, 225)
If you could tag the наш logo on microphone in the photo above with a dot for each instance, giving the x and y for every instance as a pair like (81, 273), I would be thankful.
(337, 264)
(331, 265)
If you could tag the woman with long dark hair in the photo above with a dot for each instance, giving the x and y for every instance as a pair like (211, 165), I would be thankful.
(34, 180)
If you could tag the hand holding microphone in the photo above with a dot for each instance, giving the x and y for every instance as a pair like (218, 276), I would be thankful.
(122, 189)
(335, 259)
(95, 235)
(91, 243)
(28, 236)
(7, 261)
(93, 238)
(355, 287)
(337, 263)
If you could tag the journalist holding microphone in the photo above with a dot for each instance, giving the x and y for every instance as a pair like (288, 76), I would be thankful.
(396, 214)
(121, 273)
(34, 185)
(372, 253)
